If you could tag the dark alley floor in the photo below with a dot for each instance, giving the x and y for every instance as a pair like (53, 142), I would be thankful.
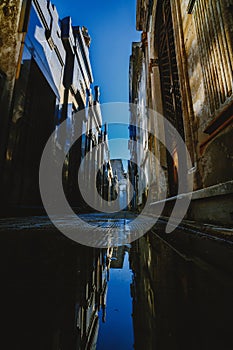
(167, 290)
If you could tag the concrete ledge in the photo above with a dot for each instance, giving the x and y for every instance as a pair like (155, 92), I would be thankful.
(212, 205)
(216, 190)
(215, 209)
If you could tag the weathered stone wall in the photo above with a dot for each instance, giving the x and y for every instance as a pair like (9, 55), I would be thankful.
(193, 62)
(10, 40)
(9, 37)
(203, 36)
(213, 149)
(217, 160)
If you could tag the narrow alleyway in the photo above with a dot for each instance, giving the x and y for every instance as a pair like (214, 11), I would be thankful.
(160, 292)
(116, 175)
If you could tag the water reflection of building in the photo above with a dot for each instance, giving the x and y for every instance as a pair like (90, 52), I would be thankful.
(177, 304)
(92, 298)
(117, 258)
(57, 290)
(143, 295)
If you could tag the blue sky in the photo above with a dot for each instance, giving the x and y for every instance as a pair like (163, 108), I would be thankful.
(112, 27)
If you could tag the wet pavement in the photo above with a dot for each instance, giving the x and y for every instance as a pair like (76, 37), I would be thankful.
(151, 294)
(95, 229)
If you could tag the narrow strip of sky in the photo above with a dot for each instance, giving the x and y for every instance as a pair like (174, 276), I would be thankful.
(112, 27)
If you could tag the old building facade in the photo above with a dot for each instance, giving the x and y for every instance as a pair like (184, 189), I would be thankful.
(121, 177)
(47, 80)
(138, 122)
(187, 48)
(34, 103)
(13, 26)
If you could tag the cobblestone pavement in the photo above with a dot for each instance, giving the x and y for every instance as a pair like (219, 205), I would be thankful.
(44, 223)
(107, 229)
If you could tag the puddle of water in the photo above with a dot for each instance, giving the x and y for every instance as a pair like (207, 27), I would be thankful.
(116, 332)
(53, 292)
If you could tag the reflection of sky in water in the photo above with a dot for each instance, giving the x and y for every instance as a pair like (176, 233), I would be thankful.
(117, 332)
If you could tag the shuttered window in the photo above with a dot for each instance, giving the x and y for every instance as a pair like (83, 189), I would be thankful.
(172, 105)
(170, 86)
(213, 20)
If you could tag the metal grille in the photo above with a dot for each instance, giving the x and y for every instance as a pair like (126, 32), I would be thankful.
(213, 20)
(168, 67)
